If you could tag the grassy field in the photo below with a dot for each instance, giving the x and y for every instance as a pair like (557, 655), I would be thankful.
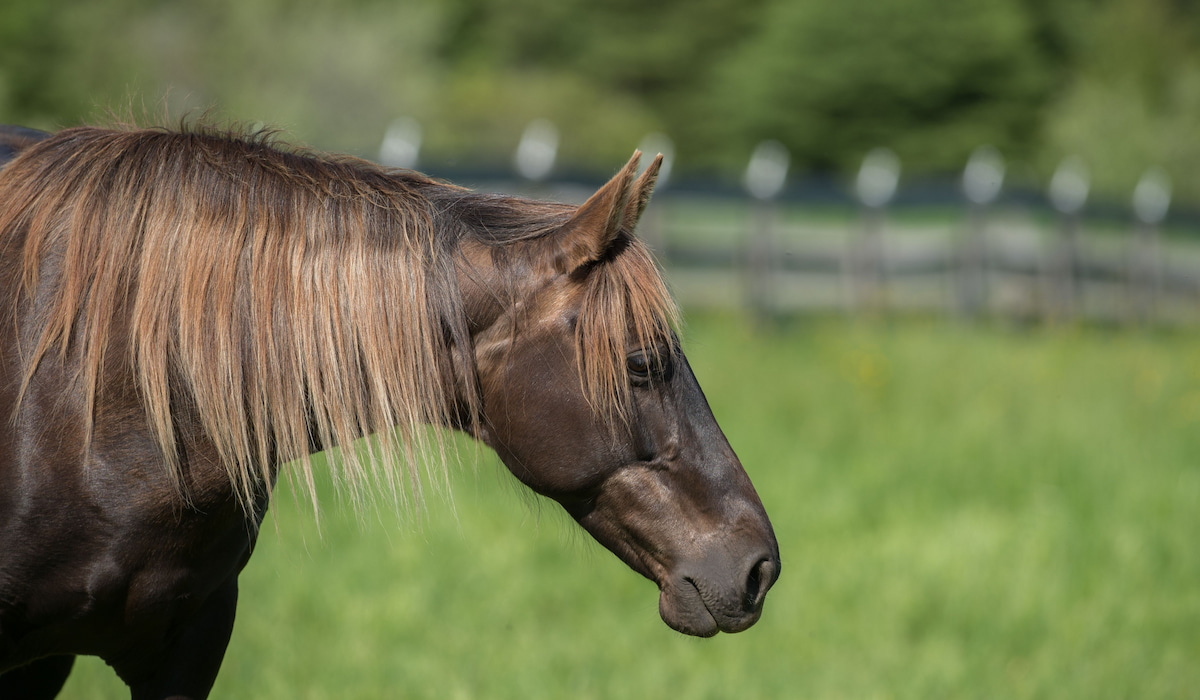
(963, 513)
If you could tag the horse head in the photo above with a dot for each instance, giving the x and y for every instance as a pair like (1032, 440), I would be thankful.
(588, 399)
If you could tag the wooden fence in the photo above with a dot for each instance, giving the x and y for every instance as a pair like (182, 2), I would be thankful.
(775, 258)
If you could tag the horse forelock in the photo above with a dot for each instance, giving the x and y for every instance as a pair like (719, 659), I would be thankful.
(625, 302)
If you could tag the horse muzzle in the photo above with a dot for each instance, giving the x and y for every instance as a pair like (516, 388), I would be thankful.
(709, 597)
(713, 570)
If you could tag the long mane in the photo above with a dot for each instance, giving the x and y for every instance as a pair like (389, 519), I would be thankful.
(284, 299)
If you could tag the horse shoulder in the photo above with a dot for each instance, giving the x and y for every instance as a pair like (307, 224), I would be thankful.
(101, 555)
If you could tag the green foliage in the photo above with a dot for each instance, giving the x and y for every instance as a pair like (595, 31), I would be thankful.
(56, 58)
(595, 126)
(27, 56)
(328, 73)
(656, 57)
(1135, 102)
(931, 79)
(962, 513)
(1116, 81)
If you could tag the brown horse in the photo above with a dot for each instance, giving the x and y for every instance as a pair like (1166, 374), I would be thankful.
(183, 316)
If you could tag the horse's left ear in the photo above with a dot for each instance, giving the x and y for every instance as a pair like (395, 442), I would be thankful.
(639, 194)
(594, 226)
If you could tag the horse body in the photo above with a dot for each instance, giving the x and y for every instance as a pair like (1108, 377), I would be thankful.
(543, 330)
(86, 566)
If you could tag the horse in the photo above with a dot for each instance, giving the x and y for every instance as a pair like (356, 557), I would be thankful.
(188, 314)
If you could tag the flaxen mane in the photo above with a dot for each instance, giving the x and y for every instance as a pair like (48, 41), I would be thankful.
(288, 299)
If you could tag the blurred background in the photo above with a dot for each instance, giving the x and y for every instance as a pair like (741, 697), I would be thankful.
(1115, 82)
(822, 142)
(940, 264)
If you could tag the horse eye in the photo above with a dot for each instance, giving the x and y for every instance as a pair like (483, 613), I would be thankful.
(638, 365)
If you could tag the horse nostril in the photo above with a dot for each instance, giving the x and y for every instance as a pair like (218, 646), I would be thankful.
(759, 580)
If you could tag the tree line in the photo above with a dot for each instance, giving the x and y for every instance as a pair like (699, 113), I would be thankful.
(1116, 82)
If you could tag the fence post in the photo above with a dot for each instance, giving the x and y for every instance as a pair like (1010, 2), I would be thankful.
(536, 152)
(764, 180)
(981, 182)
(1151, 200)
(1068, 193)
(401, 147)
(874, 187)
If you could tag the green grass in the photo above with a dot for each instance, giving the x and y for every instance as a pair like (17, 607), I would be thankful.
(963, 513)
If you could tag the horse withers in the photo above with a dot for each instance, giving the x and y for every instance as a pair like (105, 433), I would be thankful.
(181, 313)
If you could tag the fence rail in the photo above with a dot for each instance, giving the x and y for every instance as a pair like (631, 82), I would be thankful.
(984, 265)
(1008, 263)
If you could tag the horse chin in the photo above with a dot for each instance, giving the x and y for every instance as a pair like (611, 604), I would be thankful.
(681, 607)
(684, 609)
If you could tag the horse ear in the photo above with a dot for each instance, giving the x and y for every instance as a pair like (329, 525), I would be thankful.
(639, 195)
(595, 225)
